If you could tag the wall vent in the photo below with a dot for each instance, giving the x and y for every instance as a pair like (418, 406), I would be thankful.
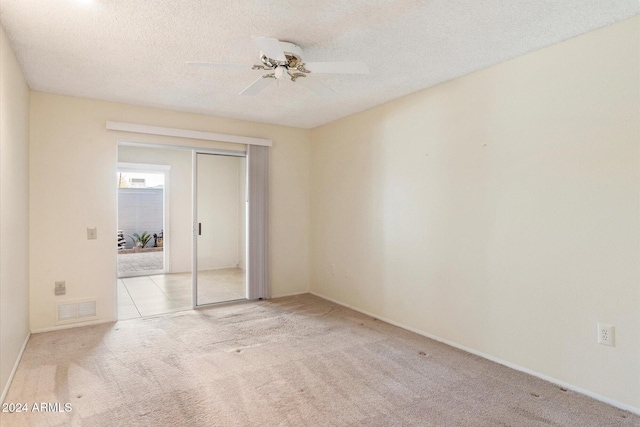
(76, 311)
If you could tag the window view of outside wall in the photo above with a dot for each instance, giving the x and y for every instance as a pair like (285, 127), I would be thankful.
(140, 223)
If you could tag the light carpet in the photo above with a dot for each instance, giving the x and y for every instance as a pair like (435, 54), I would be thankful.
(295, 361)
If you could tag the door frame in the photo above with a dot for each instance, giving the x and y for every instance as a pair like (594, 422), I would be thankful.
(257, 264)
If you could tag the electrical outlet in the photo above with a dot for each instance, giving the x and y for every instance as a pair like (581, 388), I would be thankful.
(61, 288)
(606, 334)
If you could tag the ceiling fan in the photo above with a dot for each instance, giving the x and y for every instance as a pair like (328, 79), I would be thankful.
(283, 60)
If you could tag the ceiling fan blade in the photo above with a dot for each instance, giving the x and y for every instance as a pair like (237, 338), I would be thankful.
(270, 47)
(337, 67)
(221, 65)
(315, 86)
(257, 86)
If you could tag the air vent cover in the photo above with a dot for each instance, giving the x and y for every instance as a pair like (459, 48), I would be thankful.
(76, 311)
(87, 309)
(67, 312)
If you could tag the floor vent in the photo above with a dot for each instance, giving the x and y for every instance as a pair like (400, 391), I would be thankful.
(77, 311)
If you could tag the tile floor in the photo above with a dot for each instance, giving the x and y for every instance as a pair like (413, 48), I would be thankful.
(165, 293)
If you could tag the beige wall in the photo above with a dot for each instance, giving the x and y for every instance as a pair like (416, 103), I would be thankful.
(73, 160)
(498, 211)
(14, 211)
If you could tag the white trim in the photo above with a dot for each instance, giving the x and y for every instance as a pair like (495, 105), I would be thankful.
(187, 133)
(292, 294)
(72, 325)
(143, 167)
(555, 381)
(199, 148)
(15, 368)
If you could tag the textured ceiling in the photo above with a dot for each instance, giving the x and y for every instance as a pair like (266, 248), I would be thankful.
(135, 51)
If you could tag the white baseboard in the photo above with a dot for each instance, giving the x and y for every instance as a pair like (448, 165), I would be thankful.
(491, 358)
(289, 295)
(13, 371)
(70, 325)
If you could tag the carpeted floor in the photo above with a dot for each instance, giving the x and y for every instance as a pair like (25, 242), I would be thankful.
(295, 361)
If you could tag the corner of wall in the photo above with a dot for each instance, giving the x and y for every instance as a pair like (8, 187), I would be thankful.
(14, 212)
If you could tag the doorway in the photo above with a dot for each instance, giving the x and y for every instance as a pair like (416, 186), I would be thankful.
(142, 218)
(219, 255)
(143, 239)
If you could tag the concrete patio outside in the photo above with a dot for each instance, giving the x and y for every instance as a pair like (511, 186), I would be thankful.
(131, 263)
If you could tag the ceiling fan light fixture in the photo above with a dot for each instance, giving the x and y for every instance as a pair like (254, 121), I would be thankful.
(281, 72)
(283, 62)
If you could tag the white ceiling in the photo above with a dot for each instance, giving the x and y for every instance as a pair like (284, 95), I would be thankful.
(135, 51)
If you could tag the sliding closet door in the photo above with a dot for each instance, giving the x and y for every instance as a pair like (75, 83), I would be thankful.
(231, 208)
(221, 206)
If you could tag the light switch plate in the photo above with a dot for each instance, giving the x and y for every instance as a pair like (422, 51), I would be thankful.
(92, 233)
(61, 288)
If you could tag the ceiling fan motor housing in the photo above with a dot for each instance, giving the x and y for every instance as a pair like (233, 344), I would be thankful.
(292, 52)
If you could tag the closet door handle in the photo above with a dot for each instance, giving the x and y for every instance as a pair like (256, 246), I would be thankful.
(199, 229)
